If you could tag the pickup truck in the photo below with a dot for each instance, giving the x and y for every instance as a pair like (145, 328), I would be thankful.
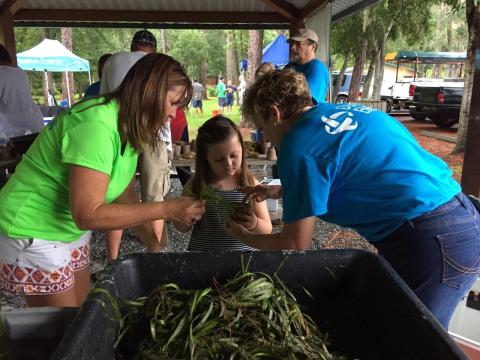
(440, 102)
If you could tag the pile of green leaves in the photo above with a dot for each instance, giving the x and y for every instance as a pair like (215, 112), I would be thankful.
(251, 316)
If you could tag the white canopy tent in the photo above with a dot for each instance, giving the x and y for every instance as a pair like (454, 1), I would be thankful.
(51, 55)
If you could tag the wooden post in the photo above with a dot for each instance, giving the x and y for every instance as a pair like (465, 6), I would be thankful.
(7, 36)
(471, 163)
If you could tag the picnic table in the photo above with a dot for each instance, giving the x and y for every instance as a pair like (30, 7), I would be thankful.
(250, 162)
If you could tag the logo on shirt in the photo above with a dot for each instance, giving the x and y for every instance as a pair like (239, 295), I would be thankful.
(339, 122)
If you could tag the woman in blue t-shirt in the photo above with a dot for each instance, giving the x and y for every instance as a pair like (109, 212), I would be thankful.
(360, 168)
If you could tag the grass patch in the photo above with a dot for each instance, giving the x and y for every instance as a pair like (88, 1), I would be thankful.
(194, 121)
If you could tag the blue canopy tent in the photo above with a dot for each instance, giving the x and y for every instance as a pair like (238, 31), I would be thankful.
(51, 55)
(276, 52)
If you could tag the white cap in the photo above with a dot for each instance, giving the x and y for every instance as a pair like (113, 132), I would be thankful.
(304, 34)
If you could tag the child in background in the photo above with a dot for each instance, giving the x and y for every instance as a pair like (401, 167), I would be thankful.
(221, 170)
(230, 97)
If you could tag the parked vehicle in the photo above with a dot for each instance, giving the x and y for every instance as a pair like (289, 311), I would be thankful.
(342, 95)
(438, 101)
(402, 91)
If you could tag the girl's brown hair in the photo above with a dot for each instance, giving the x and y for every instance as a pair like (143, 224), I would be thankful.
(286, 89)
(141, 98)
(213, 131)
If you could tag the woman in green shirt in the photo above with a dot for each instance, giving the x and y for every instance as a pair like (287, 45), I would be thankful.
(79, 176)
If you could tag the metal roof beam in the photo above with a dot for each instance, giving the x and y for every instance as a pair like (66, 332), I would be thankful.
(285, 9)
(67, 15)
(158, 25)
(312, 7)
(352, 10)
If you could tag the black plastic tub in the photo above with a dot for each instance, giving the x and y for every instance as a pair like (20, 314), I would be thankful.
(33, 333)
(359, 300)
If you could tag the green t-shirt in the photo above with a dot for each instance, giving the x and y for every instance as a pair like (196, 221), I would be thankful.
(35, 201)
(220, 89)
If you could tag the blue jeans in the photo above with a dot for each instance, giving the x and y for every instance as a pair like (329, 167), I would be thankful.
(438, 255)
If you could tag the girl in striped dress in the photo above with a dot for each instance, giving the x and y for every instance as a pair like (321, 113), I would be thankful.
(220, 171)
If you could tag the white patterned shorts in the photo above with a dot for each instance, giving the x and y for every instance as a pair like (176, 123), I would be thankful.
(34, 266)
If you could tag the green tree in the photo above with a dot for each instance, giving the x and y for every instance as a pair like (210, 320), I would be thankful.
(343, 43)
(191, 48)
(470, 8)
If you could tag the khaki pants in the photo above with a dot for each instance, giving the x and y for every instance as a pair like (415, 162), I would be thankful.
(155, 174)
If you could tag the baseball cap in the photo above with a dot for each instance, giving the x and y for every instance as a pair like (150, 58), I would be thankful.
(304, 34)
(144, 37)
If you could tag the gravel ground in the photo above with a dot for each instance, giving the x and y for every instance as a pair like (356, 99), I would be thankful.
(325, 235)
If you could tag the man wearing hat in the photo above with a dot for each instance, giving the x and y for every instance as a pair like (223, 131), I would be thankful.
(154, 166)
(117, 66)
(303, 46)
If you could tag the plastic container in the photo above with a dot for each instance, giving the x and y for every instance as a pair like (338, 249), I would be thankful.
(360, 301)
(33, 333)
(272, 204)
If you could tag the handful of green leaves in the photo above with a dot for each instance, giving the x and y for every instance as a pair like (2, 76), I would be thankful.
(216, 200)
(252, 316)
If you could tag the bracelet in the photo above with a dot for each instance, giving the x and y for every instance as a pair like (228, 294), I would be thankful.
(256, 225)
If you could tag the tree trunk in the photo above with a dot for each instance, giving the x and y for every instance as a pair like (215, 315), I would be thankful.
(46, 35)
(371, 69)
(358, 69)
(236, 62)
(341, 75)
(379, 69)
(66, 40)
(163, 36)
(230, 55)
(468, 82)
(471, 164)
(203, 78)
(255, 42)
(377, 85)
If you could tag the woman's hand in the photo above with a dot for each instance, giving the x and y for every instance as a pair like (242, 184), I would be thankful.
(261, 192)
(184, 209)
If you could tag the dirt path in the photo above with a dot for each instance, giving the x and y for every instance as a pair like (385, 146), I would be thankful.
(440, 148)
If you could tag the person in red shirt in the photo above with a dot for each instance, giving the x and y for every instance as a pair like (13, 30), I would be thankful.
(179, 126)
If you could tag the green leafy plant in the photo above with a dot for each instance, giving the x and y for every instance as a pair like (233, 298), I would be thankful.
(251, 316)
(211, 91)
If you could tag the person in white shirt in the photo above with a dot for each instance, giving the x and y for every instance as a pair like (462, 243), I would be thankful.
(154, 166)
(19, 115)
(242, 86)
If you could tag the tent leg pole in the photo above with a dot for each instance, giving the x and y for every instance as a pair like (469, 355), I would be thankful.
(46, 82)
(89, 77)
(68, 90)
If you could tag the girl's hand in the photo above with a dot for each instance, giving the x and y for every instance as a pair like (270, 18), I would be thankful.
(237, 230)
(246, 217)
(261, 192)
(184, 209)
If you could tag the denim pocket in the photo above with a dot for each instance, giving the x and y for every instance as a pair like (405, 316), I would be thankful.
(461, 255)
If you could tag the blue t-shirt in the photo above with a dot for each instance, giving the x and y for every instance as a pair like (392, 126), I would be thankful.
(360, 168)
(317, 77)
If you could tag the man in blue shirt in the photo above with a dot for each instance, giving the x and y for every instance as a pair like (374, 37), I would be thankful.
(303, 46)
(360, 168)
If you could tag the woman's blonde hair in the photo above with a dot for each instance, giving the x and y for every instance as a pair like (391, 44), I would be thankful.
(287, 89)
(213, 131)
(141, 99)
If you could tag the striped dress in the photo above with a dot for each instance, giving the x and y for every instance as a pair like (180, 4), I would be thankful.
(210, 233)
